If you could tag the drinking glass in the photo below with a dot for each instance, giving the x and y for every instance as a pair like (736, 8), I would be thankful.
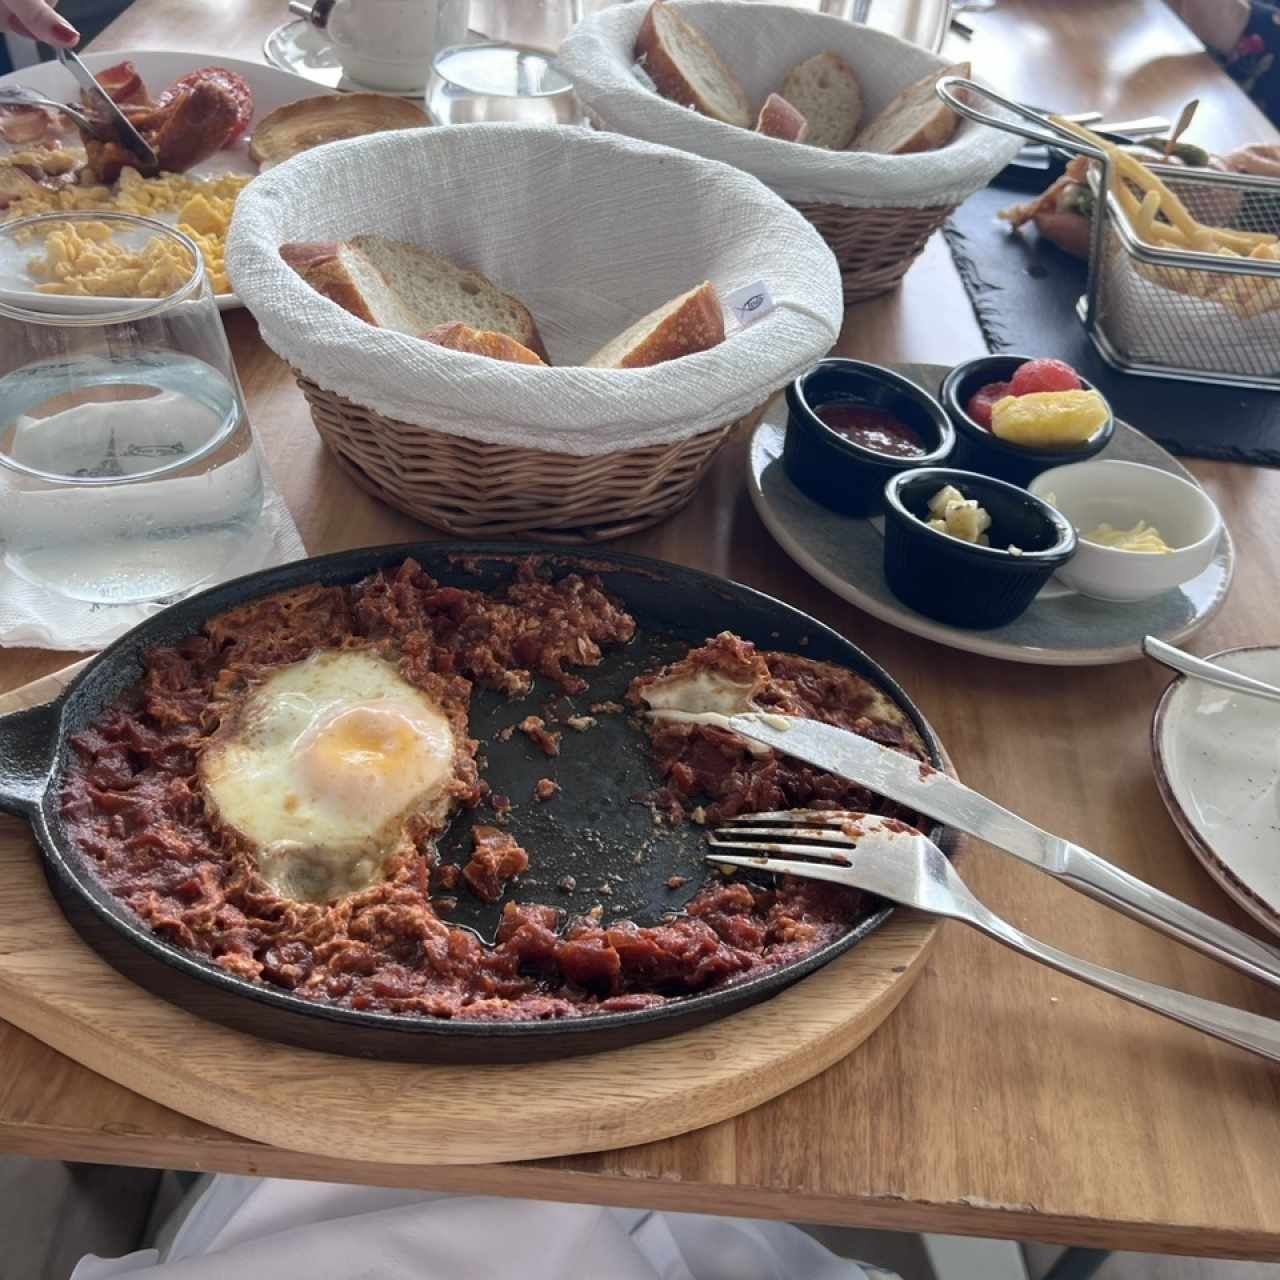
(127, 468)
(510, 73)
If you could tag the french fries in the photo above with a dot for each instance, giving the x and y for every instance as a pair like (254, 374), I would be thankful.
(1145, 220)
(1159, 217)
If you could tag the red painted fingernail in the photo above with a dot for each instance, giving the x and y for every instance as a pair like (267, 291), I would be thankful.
(64, 32)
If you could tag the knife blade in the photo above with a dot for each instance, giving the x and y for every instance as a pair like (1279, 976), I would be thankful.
(115, 119)
(937, 795)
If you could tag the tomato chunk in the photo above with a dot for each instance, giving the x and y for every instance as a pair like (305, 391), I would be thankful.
(1044, 375)
(979, 406)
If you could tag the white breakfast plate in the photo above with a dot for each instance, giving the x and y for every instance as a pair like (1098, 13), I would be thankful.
(1060, 629)
(1217, 763)
(271, 88)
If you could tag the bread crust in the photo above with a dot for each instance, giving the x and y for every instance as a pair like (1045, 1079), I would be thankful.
(781, 119)
(934, 131)
(457, 336)
(664, 69)
(695, 325)
(319, 264)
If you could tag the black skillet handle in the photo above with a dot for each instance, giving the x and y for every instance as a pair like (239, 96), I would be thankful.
(28, 747)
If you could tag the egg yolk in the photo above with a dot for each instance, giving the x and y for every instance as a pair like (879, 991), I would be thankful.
(351, 760)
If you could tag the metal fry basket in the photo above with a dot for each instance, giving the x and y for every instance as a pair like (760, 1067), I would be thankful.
(1156, 310)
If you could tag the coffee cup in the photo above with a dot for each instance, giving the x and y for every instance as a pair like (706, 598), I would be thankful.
(387, 44)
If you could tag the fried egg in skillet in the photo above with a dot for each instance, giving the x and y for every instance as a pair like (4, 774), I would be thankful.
(321, 766)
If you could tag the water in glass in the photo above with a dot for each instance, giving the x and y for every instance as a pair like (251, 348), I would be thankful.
(509, 73)
(127, 468)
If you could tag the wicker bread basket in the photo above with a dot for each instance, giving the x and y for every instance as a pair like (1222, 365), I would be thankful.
(875, 213)
(577, 225)
(874, 247)
(470, 488)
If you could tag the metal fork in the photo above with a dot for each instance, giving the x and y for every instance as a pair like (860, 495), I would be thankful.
(22, 96)
(895, 861)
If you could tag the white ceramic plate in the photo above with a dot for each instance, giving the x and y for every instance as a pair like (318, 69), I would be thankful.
(271, 88)
(1217, 763)
(1060, 629)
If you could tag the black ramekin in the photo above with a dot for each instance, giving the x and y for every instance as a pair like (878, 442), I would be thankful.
(961, 583)
(977, 449)
(833, 470)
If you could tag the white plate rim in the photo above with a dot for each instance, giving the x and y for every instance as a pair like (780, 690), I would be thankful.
(97, 60)
(956, 637)
(1230, 881)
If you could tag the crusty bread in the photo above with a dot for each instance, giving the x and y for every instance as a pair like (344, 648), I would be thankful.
(403, 287)
(916, 120)
(682, 63)
(827, 93)
(481, 342)
(687, 324)
(779, 119)
(343, 276)
(310, 122)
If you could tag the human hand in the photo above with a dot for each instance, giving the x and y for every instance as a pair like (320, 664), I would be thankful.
(1262, 159)
(37, 20)
(1219, 23)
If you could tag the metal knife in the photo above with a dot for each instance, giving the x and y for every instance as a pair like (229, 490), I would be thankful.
(104, 105)
(933, 793)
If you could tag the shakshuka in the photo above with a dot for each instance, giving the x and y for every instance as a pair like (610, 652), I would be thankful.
(270, 795)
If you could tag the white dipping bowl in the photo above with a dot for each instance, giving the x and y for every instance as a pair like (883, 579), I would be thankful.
(1120, 494)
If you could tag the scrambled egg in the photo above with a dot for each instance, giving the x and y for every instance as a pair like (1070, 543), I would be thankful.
(82, 259)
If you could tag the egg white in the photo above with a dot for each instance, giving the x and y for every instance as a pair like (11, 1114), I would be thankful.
(322, 766)
(702, 696)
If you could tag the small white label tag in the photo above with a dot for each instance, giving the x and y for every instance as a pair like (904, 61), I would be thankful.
(644, 77)
(750, 303)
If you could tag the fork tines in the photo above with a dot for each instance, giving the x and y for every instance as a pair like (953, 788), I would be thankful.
(834, 850)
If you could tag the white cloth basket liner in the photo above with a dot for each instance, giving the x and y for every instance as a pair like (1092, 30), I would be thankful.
(760, 43)
(590, 231)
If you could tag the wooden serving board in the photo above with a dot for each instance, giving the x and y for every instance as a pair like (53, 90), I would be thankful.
(55, 987)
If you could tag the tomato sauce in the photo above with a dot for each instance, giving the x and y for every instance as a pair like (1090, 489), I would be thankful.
(872, 428)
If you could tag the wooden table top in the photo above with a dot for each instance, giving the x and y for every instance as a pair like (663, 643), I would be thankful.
(1001, 1099)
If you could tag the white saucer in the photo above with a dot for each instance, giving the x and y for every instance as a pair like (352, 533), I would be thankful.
(1060, 629)
(1217, 762)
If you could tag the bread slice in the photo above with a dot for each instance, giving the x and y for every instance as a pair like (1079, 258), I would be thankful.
(916, 120)
(346, 277)
(403, 287)
(685, 325)
(311, 122)
(682, 63)
(779, 119)
(481, 342)
(827, 93)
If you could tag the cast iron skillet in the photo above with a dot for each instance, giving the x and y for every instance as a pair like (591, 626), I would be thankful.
(591, 832)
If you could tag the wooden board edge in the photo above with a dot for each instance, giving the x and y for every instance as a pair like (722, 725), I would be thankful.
(615, 1099)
